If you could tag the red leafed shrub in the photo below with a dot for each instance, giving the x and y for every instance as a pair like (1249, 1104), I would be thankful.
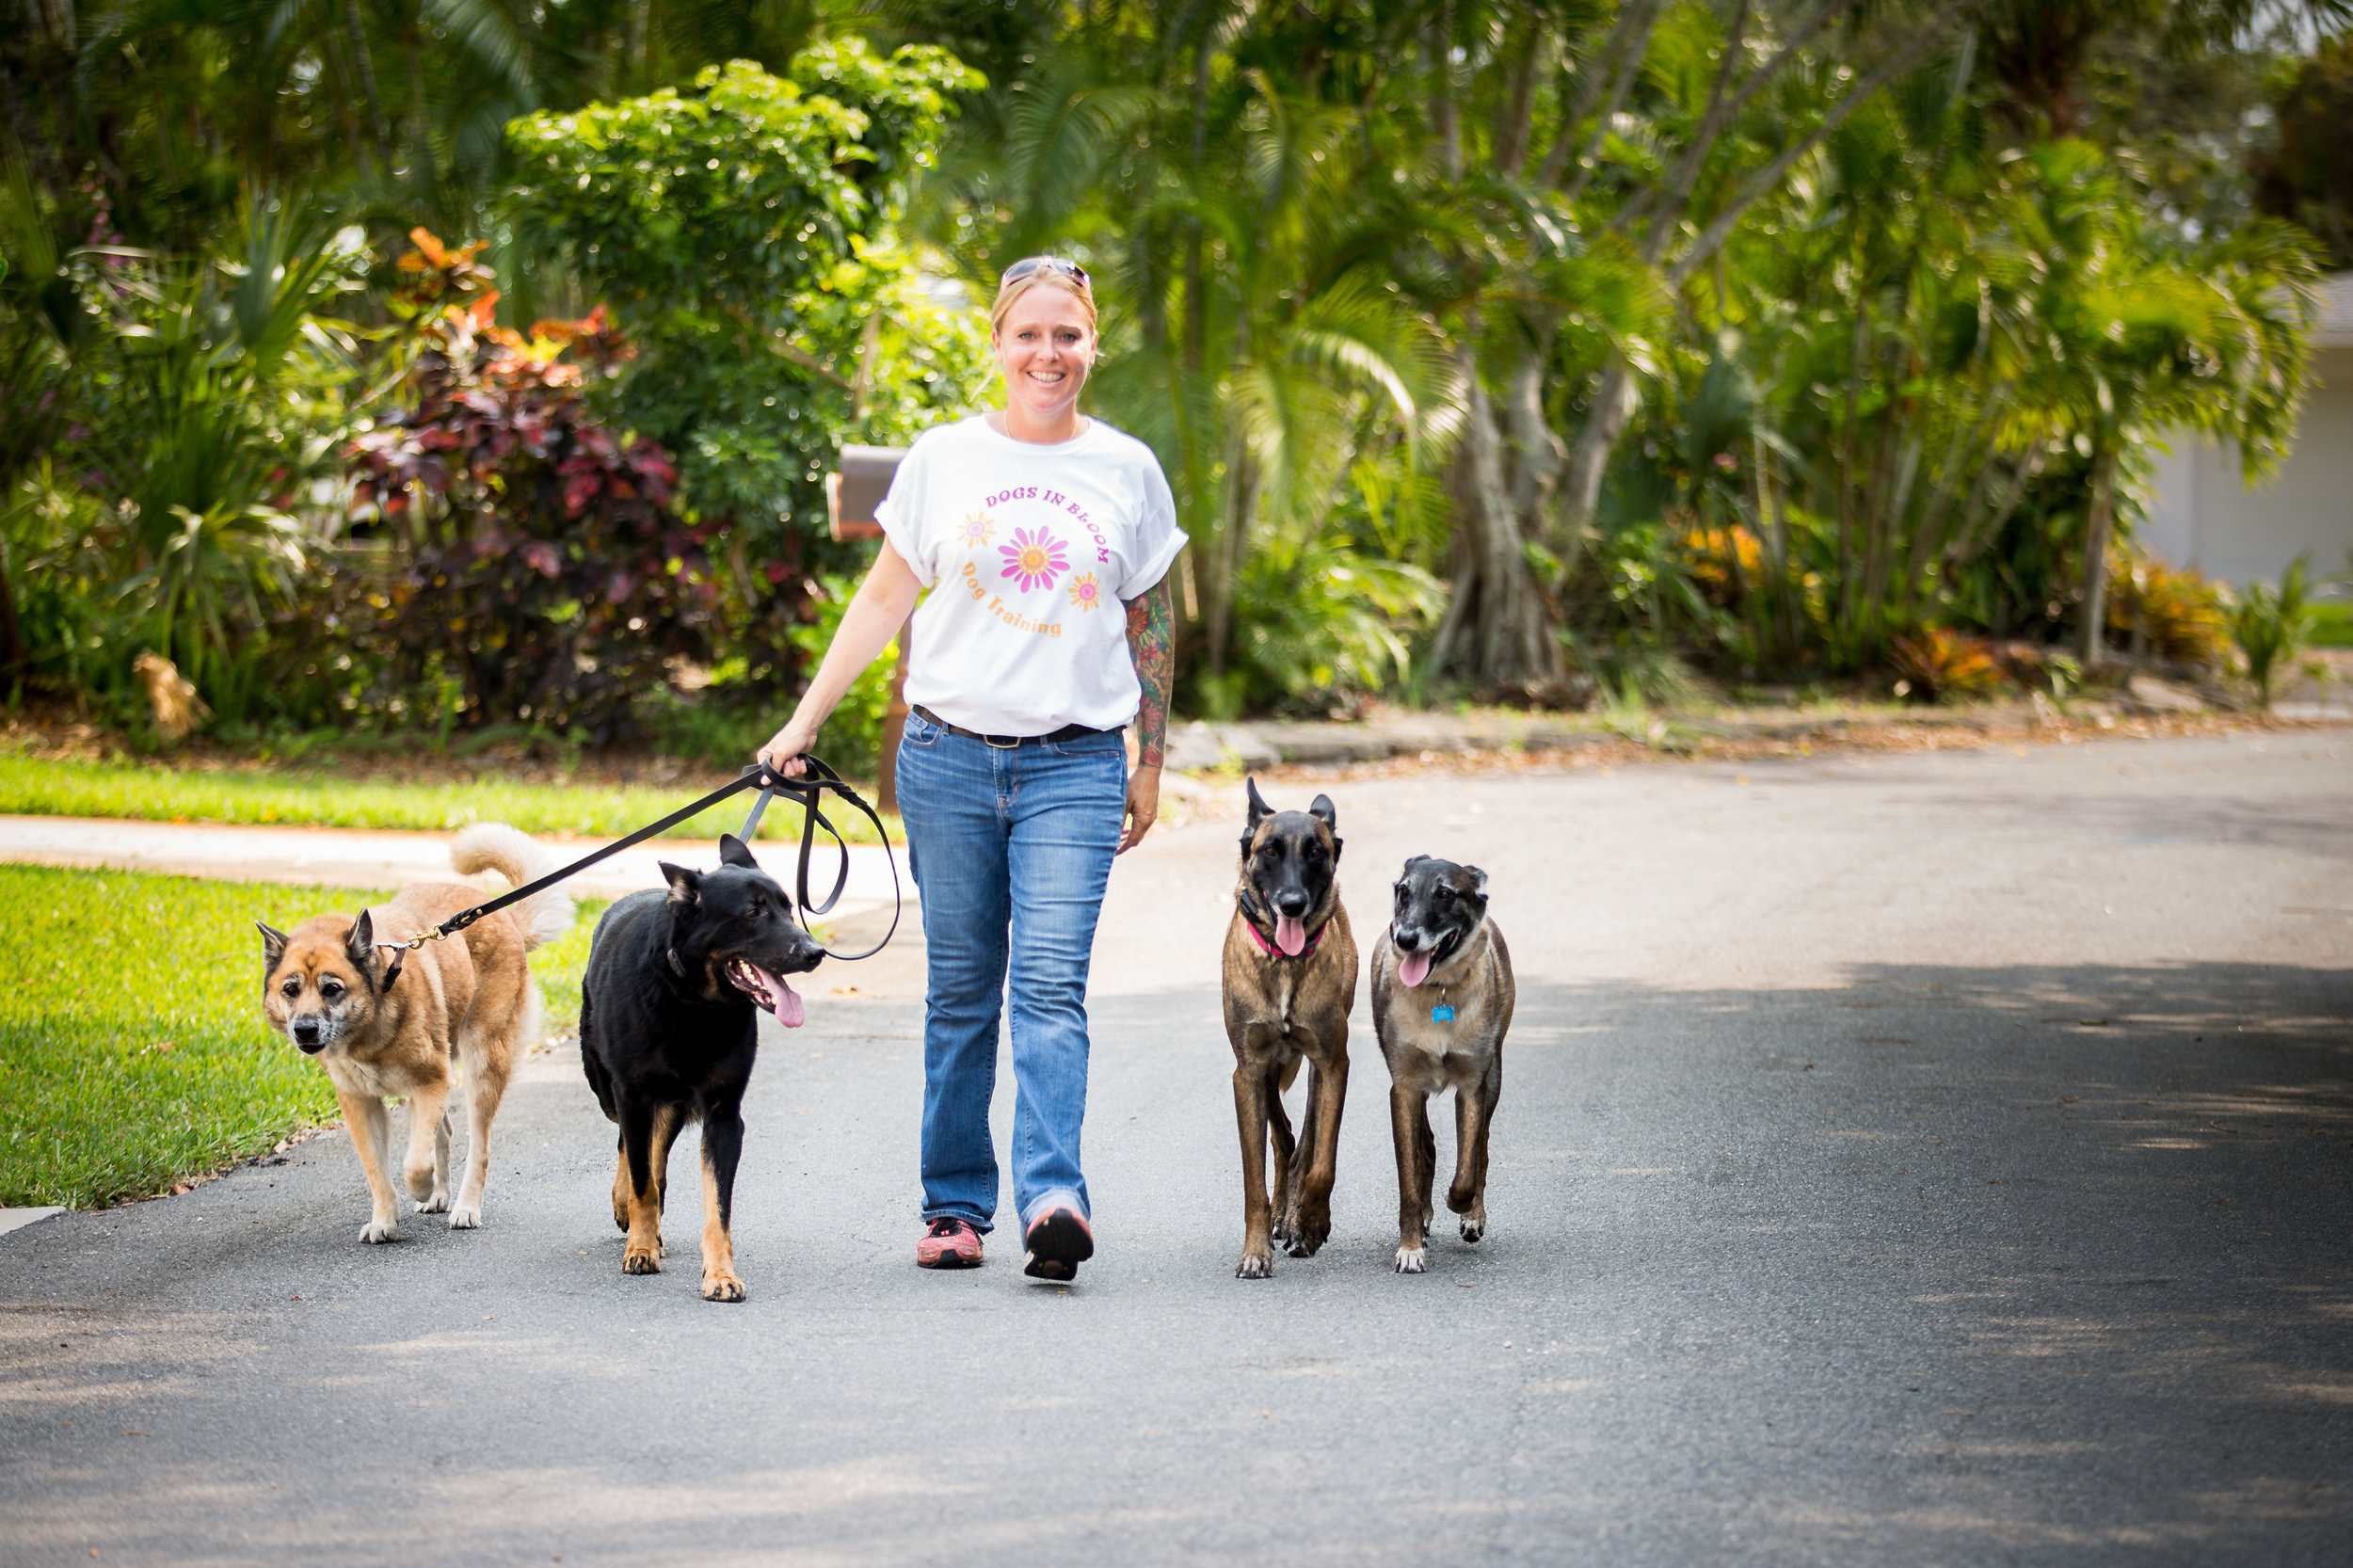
(549, 582)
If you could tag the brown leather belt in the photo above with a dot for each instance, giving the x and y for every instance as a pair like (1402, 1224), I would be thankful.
(1006, 743)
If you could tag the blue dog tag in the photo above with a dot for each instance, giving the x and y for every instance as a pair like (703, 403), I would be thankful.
(1443, 1013)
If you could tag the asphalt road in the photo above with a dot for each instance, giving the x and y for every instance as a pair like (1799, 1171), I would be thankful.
(1942, 1158)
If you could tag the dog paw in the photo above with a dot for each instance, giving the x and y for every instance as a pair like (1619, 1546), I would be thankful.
(464, 1218)
(1473, 1228)
(723, 1288)
(1284, 1233)
(1309, 1239)
(380, 1230)
(1409, 1260)
(641, 1261)
(1256, 1266)
(436, 1203)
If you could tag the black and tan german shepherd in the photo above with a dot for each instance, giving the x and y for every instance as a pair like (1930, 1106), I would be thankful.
(668, 1027)
(1290, 982)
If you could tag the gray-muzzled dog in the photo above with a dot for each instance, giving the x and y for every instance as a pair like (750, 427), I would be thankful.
(1441, 999)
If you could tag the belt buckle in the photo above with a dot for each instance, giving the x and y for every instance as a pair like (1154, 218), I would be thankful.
(1008, 742)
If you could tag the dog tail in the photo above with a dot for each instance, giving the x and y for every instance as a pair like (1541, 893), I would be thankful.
(493, 846)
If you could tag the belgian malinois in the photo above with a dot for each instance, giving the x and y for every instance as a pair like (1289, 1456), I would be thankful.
(468, 1000)
(1290, 981)
(1442, 998)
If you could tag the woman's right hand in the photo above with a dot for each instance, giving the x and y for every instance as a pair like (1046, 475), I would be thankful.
(784, 750)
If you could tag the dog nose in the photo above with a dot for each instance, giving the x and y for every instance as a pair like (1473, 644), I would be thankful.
(1293, 904)
(306, 1033)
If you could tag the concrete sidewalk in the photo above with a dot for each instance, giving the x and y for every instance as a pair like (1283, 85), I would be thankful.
(356, 858)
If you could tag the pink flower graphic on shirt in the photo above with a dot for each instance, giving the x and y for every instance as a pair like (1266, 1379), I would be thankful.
(1085, 592)
(975, 529)
(1036, 557)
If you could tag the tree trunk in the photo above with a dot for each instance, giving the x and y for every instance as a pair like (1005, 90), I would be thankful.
(2096, 528)
(1615, 398)
(365, 65)
(1498, 631)
(11, 638)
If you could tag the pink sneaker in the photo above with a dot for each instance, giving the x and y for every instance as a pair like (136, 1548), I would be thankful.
(1056, 1243)
(949, 1244)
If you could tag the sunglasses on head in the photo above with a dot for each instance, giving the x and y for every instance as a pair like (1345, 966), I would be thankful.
(1028, 265)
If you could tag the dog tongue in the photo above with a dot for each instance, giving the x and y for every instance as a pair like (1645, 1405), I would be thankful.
(1290, 935)
(1412, 967)
(791, 1011)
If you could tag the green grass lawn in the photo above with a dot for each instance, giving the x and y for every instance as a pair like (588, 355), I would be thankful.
(2332, 625)
(133, 1054)
(34, 787)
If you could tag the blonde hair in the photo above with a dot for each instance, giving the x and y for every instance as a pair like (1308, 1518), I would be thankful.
(1049, 277)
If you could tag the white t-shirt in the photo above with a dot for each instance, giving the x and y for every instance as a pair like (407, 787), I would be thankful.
(1029, 553)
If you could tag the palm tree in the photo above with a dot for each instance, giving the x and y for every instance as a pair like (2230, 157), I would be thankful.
(2145, 341)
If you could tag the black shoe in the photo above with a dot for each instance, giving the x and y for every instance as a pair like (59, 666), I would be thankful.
(1056, 1243)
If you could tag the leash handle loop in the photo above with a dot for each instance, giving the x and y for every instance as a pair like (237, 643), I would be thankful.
(810, 790)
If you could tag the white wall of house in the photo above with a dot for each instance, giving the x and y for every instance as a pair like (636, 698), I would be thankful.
(2202, 514)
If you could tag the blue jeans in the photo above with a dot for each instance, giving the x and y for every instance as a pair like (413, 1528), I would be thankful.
(1011, 849)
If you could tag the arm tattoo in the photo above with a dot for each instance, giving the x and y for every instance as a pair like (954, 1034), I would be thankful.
(1152, 642)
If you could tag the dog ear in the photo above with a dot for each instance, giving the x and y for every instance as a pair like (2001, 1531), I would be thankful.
(1322, 811)
(273, 948)
(1259, 810)
(1478, 885)
(686, 886)
(359, 943)
(732, 851)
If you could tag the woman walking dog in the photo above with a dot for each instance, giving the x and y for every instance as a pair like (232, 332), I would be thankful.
(1029, 526)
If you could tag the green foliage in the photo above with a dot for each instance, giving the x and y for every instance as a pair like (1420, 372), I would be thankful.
(852, 738)
(2308, 178)
(1868, 324)
(195, 403)
(742, 231)
(726, 723)
(2272, 625)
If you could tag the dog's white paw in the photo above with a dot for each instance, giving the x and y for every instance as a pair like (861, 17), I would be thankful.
(1409, 1260)
(1254, 1267)
(465, 1219)
(380, 1230)
(436, 1203)
(1473, 1229)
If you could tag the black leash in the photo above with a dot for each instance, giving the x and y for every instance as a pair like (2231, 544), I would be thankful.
(806, 790)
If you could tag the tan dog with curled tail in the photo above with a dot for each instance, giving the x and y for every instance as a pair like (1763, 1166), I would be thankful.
(327, 986)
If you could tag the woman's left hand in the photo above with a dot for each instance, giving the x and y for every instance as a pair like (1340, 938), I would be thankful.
(1143, 806)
